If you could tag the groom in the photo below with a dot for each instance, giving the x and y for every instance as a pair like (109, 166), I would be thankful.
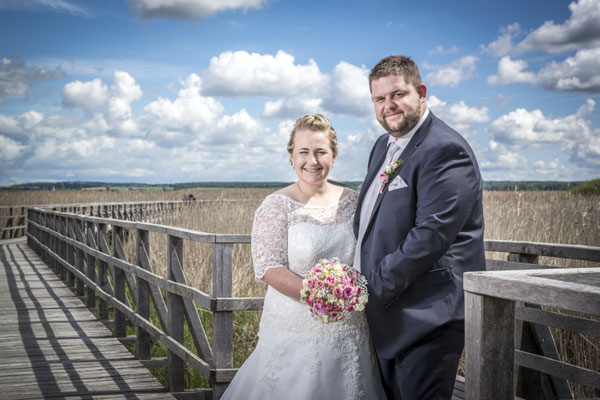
(419, 224)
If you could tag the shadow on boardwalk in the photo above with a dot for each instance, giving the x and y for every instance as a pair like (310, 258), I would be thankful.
(52, 346)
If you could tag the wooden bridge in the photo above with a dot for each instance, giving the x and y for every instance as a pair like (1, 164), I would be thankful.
(80, 251)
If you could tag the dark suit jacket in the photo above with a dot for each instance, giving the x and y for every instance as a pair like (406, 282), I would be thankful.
(421, 238)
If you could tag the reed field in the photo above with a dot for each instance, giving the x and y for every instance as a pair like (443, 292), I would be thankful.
(553, 217)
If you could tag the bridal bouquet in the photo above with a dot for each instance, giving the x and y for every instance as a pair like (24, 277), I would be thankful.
(332, 290)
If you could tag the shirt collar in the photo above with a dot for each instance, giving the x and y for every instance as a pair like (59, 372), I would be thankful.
(409, 135)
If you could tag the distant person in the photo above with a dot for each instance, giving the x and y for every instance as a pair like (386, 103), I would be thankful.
(298, 357)
(419, 224)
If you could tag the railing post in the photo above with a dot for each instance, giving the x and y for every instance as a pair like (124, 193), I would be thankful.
(62, 245)
(222, 320)
(91, 264)
(176, 315)
(119, 278)
(79, 256)
(70, 252)
(102, 274)
(489, 348)
(143, 296)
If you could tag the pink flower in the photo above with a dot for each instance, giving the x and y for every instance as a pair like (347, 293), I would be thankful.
(355, 300)
(310, 283)
(319, 303)
(350, 308)
(358, 291)
(309, 302)
(338, 291)
(330, 281)
(320, 310)
(348, 291)
(319, 284)
(334, 315)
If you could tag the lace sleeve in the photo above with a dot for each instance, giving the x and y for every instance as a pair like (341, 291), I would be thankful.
(270, 236)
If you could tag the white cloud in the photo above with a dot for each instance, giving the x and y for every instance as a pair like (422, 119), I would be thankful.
(189, 9)
(519, 137)
(582, 29)
(9, 149)
(580, 72)
(91, 95)
(511, 71)
(15, 125)
(15, 78)
(521, 128)
(442, 50)
(458, 115)
(292, 107)
(504, 44)
(60, 6)
(349, 91)
(241, 73)
(452, 74)
(189, 114)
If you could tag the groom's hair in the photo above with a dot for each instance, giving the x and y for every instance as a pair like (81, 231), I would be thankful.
(314, 123)
(396, 65)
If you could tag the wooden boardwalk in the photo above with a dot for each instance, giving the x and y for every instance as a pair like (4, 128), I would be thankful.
(52, 346)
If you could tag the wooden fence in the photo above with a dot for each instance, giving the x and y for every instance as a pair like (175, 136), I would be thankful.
(509, 347)
(13, 219)
(94, 263)
(88, 252)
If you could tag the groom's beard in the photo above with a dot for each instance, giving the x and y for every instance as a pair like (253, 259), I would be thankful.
(408, 122)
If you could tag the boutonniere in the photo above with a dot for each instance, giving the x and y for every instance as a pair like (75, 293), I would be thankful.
(388, 171)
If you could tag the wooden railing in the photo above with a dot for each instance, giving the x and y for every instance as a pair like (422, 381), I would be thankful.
(93, 263)
(509, 347)
(13, 219)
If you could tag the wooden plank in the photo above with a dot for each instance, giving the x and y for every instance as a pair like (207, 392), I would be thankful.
(176, 316)
(562, 321)
(191, 314)
(539, 287)
(579, 252)
(222, 320)
(547, 365)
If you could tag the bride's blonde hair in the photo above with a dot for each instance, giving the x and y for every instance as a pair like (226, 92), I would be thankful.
(314, 123)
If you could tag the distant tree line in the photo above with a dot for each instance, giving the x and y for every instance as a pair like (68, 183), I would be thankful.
(587, 187)
(581, 187)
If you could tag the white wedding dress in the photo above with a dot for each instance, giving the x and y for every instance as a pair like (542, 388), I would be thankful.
(298, 357)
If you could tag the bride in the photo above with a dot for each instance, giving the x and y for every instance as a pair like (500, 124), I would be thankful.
(298, 357)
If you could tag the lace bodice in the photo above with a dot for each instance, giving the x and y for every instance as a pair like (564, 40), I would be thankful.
(294, 235)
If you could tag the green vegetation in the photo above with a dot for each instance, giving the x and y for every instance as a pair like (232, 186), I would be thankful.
(587, 187)
(527, 186)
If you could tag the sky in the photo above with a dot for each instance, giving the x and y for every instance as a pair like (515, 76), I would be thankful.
(170, 91)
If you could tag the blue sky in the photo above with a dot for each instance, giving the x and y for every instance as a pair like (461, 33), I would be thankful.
(163, 91)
